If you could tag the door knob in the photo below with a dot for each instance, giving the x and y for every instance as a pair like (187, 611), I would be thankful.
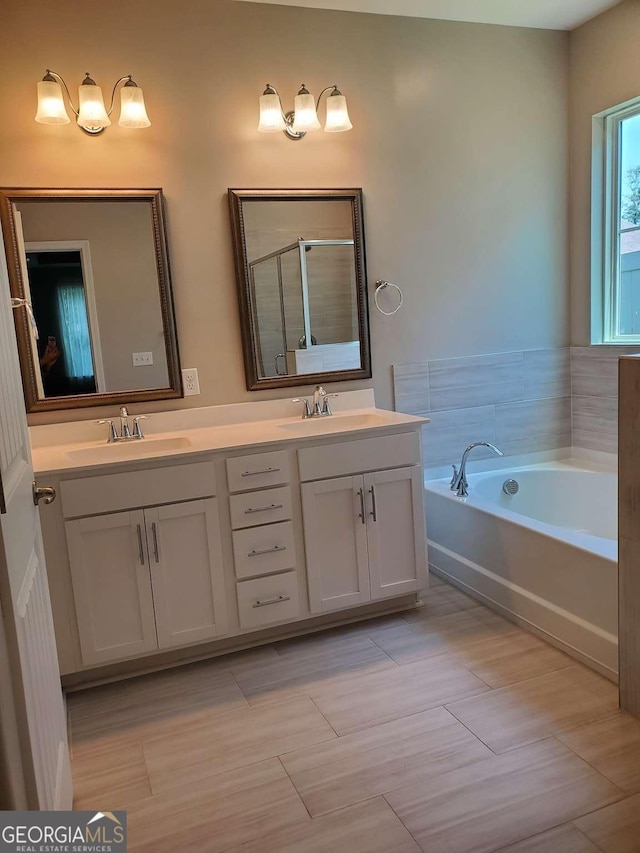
(45, 493)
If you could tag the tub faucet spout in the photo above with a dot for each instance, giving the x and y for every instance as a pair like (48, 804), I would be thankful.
(459, 482)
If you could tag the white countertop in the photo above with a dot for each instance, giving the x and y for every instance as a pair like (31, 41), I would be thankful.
(81, 446)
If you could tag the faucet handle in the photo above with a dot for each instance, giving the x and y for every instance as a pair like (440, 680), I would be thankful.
(326, 408)
(307, 406)
(454, 477)
(113, 433)
(137, 431)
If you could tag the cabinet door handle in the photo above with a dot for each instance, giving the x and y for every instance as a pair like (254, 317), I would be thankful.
(277, 600)
(155, 542)
(262, 508)
(273, 550)
(362, 512)
(263, 471)
(140, 547)
(374, 511)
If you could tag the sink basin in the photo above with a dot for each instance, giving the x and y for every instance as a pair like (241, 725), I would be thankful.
(118, 451)
(335, 423)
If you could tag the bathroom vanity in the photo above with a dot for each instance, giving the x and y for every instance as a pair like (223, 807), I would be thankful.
(226, 527)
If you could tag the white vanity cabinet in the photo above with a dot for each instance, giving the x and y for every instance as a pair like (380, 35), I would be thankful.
(264, 550)
(260, 531)
(149, 578)
(364, 533)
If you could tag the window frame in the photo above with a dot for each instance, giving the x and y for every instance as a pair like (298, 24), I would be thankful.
(605, 220)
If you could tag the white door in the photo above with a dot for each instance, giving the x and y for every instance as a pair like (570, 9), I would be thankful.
(186, 572)
(111, 586)
(396, 531)
(335, 535)
(26, 608)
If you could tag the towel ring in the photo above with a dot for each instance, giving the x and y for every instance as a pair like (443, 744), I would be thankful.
(382, 285)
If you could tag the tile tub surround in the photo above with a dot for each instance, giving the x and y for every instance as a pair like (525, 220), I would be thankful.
(524, 402)
(520, 401)
(594, 396)
(449, 729)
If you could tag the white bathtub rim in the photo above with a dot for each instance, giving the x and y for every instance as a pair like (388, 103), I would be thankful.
(605, 548)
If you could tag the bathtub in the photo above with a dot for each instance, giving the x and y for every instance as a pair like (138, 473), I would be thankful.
(545, 557)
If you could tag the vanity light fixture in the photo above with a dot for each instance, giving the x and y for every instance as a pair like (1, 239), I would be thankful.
(91, 115)
(303, 118)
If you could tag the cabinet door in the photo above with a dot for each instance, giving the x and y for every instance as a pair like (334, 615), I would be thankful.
(396, 531)
(111, 586)
(336, 543)
(186, 572)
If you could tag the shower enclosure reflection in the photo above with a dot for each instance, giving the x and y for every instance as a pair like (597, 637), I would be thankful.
(300, 265)
(292, 289)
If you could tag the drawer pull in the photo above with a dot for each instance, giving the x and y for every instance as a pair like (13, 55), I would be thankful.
(273, 550)
(263, 471)
(277, 600)
(262, 508)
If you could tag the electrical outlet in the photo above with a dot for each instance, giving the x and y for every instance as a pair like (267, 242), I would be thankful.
(142, 358)
(190, 381)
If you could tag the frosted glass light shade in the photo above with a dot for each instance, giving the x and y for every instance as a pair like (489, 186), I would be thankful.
(271, 119)
(51, 109)
(305, 118)
(92, 114)
(133, 112)
(337, 115)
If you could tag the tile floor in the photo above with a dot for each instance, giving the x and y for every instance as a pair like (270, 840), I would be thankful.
(446, 730)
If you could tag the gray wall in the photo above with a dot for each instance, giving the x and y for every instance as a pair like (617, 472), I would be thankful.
(459, 141)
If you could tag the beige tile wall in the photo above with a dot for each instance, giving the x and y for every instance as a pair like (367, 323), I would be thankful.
(521, 401)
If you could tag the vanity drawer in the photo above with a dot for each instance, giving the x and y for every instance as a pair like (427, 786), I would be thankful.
(257, 471)
(267, 600)
(114, 492)
(264, 507)
(264, 550)
(355, 457)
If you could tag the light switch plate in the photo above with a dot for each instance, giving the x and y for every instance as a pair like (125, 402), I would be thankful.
(190, 381)
(141, 358)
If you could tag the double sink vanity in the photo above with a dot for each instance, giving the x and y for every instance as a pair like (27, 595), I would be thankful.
(225, 526)
(207, 529)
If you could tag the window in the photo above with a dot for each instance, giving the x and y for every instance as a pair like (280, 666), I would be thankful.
(616, 232)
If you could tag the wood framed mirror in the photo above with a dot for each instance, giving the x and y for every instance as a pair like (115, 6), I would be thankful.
(300, 267)
(91, 286)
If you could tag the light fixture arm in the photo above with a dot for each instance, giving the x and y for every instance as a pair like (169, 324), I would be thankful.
(51, 77)
(335, 91)
(130, 82)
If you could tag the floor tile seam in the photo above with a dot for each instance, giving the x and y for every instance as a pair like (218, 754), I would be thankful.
(625, 794)
(458, 650)
(420, 847)
(214, 774)
(293, 785)
(571, 823)
(575, 665)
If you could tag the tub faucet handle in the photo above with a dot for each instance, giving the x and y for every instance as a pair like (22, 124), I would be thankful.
(454, 478)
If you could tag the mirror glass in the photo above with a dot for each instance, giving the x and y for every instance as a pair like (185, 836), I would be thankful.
(97, 321)
(300, 265)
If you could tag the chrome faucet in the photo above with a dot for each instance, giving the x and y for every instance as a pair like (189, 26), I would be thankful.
(319, 399)
(319, 406)
(125, 431)
(459, 482)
